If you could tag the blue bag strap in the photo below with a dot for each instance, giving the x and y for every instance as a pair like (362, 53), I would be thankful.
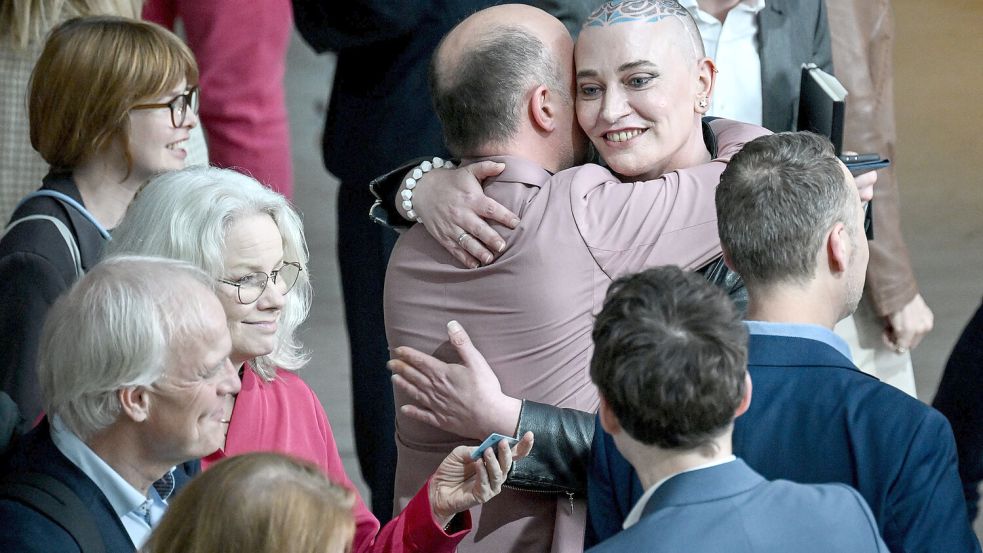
(70, 201)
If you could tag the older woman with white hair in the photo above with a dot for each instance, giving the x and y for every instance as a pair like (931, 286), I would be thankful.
(251, 241)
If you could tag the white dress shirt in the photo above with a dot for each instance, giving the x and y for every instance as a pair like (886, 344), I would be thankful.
(733, 46)
(636, 512)
(130, 505)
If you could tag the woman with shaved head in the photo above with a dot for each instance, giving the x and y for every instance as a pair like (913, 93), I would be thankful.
(505, 88)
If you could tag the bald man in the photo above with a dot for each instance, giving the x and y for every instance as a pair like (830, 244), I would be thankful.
(503, 85)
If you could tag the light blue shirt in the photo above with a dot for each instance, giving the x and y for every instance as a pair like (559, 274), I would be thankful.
(799, 330)
(129, 504)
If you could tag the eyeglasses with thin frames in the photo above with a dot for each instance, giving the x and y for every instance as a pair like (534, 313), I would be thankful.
(178, 106)
(250, 287)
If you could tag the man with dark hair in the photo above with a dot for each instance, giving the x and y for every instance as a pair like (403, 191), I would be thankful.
(669, 361)
(791, 223)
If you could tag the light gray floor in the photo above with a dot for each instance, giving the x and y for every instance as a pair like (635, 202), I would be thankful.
(937, 80)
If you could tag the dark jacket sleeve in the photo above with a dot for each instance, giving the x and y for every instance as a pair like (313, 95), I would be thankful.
(609, 489)
(29, 285)
(330, 25)
(384, 188)
(26, 531)
(558, 461)
(929, 510)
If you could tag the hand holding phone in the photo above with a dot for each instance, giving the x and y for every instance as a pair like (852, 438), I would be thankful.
(491, 441)
(859, 164)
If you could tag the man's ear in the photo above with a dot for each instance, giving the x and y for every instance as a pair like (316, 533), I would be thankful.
(839, 247)
(542, 111)
(746, 400)
(609, 421)
(135, 402)
(706, 77)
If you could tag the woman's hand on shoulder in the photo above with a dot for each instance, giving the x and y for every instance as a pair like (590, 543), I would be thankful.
(455, 210)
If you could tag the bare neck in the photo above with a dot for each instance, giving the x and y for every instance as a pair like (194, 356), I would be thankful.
(718, 8)
(528, 145)
(693, 152)
(106, 189)
(655, 464)
(120, 451)
(792, 303)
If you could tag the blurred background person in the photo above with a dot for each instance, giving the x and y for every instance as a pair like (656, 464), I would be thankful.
(260, 503)
(242, 53)
(112, 103)
(893, 317)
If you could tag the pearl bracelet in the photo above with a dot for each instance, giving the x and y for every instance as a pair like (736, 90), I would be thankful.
(410, 183)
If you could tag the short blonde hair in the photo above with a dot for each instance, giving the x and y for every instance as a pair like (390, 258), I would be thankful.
(92, 71)
(260, 503)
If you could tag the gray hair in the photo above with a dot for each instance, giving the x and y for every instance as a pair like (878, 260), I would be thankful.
(777, 198)
(480, 99)
(114, 329)
(185, 215)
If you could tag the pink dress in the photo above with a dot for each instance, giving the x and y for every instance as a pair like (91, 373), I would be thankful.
(286, 417)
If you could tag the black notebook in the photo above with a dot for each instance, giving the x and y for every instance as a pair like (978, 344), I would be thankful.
(822, 105)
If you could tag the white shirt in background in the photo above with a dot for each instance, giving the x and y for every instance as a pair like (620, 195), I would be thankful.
(733, 46)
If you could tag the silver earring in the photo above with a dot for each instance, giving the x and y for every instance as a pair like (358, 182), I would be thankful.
(703, 102)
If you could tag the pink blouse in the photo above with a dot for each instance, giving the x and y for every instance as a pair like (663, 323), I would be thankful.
(286, 417)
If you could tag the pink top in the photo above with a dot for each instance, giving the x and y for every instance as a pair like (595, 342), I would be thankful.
(286, 417)
(531, 311)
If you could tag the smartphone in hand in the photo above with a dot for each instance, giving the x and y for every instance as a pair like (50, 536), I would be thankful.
(491, 441)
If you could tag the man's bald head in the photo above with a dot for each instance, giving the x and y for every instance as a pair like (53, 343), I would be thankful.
(648, 11)
(484, 68)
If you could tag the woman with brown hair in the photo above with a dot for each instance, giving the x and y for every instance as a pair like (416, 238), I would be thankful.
(24, 25)
(112, 102)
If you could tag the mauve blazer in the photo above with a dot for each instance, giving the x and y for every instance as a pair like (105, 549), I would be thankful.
(530, 312)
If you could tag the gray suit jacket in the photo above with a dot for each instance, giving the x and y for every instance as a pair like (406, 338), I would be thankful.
(790, 33)
(731, 508)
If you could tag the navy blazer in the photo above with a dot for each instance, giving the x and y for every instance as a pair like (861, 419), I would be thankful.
(815, 418)
(731, 508)
(27, 531)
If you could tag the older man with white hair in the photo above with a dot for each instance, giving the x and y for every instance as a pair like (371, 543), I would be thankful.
(134, 371)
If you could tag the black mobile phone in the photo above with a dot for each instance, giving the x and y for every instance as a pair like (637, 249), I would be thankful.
(859, 164)
(869, 220)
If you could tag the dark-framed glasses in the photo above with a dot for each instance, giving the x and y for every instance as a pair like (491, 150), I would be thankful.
(250, 287)
(179, 106)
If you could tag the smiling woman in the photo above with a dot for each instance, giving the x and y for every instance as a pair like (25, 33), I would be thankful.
(249, 239)
(86, 121)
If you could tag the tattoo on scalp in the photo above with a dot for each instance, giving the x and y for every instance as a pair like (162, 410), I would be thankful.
(634, 11)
